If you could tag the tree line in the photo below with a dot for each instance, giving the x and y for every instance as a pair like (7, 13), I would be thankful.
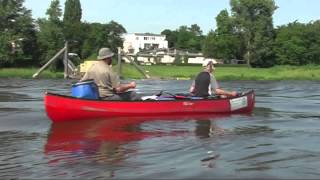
(245, 33)
(28, 42)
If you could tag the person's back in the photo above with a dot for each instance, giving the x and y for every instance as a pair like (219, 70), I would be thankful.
(205, 83)
(104, 77)
(202, 83)
(108, 81)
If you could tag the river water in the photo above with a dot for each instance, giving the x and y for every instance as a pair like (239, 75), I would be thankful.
(279, 140)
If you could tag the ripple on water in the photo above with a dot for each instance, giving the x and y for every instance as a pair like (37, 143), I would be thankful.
(19, 153)
(279, 140)
(16, 97)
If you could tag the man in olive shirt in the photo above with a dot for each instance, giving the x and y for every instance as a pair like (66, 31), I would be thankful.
(107, 80)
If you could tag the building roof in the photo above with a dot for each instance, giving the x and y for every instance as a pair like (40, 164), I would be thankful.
(147, 34)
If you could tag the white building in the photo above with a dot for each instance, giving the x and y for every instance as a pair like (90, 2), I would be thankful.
(135, 42)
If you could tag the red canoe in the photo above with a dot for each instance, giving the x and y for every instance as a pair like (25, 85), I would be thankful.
(61, 108)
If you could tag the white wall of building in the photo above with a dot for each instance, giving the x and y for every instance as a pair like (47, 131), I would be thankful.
(167, 59)
(137, 41)
(196, 60)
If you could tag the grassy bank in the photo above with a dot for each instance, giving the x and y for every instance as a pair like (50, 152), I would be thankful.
(27, 73)
(230, 73)
(188, 72)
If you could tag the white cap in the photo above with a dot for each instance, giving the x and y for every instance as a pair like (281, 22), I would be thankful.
(207, 61)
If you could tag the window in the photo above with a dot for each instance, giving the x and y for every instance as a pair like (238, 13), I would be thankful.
(147, 46)
(155, 46)
(146, 38)
(137, 38)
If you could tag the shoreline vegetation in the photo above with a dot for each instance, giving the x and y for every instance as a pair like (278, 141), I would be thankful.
(308, 72)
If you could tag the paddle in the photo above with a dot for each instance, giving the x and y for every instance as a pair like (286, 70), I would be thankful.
(157, 96)
(173, 95)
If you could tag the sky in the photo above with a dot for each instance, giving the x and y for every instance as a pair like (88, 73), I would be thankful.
(154, 16)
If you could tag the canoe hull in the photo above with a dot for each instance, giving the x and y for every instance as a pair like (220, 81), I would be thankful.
(61, 108)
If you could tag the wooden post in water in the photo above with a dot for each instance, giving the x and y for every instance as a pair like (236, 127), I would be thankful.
(137, 67)
(119, 62)
(70, 70)
(35, 75)
(65, 60)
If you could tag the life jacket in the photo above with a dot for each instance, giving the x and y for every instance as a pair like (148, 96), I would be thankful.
(202, 83)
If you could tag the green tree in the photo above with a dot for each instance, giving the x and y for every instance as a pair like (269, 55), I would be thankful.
(72, 24)
(171, 37)
(223, 43)
(101, 35)
(189, 38)
(17, 38)
(196, 42)
(114, 32)
(254, 23)
(298, 44)
(209, 47)
(94, 38)
(54, 12)
(184, 35)
(225, 24)
(289, 44)
(50, 36)
(313, 40)
(185, 38)
(196, 30)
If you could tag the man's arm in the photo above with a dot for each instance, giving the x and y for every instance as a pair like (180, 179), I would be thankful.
(219, 91)
(124, 87)
(88, 74)
(192, 89)
(222, 92)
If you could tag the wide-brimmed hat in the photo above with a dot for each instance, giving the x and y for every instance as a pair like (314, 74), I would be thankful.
(104, 53)
(206, 62)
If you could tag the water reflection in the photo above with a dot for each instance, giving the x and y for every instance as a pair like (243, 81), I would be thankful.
(112, 141)
(203, 128)
(206, 128)
(93, 141)
(94, 137)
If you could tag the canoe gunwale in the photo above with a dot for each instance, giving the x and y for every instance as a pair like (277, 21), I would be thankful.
(47, 93)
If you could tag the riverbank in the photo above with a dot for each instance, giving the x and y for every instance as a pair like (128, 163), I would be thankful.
(229, 73)
(308, 72)
(27, 73)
